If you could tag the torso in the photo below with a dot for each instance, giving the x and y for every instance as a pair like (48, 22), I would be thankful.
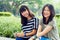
(30, 26)
(53, 34)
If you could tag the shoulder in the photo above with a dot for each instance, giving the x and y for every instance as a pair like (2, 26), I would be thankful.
(36, 19)
(40, 20)
(53, 21)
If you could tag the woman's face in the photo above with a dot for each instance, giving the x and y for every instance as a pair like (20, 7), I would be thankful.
(46, 12)
(25, 13)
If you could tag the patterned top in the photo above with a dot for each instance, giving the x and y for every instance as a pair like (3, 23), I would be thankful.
(53, 34)
(32, 24)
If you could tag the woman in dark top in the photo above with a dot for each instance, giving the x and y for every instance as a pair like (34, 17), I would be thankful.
(29, 24)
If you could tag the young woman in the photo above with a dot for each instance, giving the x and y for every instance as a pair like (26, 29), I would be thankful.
(29, 24)
(47, 27)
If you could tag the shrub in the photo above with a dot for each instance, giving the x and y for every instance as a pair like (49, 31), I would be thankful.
(58, 23)
(9, 25)
(5, 14)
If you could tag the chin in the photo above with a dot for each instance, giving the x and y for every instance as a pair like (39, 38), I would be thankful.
(45, 16)
(26, 16)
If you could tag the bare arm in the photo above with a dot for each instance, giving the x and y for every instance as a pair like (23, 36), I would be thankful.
(27, 34)
(31, 33)
(45, 31)
(39, 29)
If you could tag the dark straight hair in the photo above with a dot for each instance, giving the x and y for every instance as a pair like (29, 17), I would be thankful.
(24, 19)
(52, 13)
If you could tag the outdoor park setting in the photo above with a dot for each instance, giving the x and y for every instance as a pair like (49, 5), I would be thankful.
(10, 20)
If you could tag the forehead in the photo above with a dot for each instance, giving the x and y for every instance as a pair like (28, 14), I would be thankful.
(46, 8)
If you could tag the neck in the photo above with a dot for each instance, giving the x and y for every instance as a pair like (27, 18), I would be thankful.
(29, 17)
(46, 19)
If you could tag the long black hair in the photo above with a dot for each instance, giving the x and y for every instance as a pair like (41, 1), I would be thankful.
(52, 13)
(24, 19)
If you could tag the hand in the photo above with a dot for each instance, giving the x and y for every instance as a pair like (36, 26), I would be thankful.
(31, 39)
(20, 34)
(15, 34)
(37, 39)
(38, 35)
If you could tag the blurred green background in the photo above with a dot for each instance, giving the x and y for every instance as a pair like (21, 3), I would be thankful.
(10, 17)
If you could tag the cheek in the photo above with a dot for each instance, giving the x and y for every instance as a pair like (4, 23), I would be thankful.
(22, 14)
(27, 13)
(46, 13)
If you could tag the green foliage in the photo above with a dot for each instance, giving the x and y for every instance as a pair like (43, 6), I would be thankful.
(9, 25)
(34, 5)
(58, 23)
(5, 14)
(58, 15)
